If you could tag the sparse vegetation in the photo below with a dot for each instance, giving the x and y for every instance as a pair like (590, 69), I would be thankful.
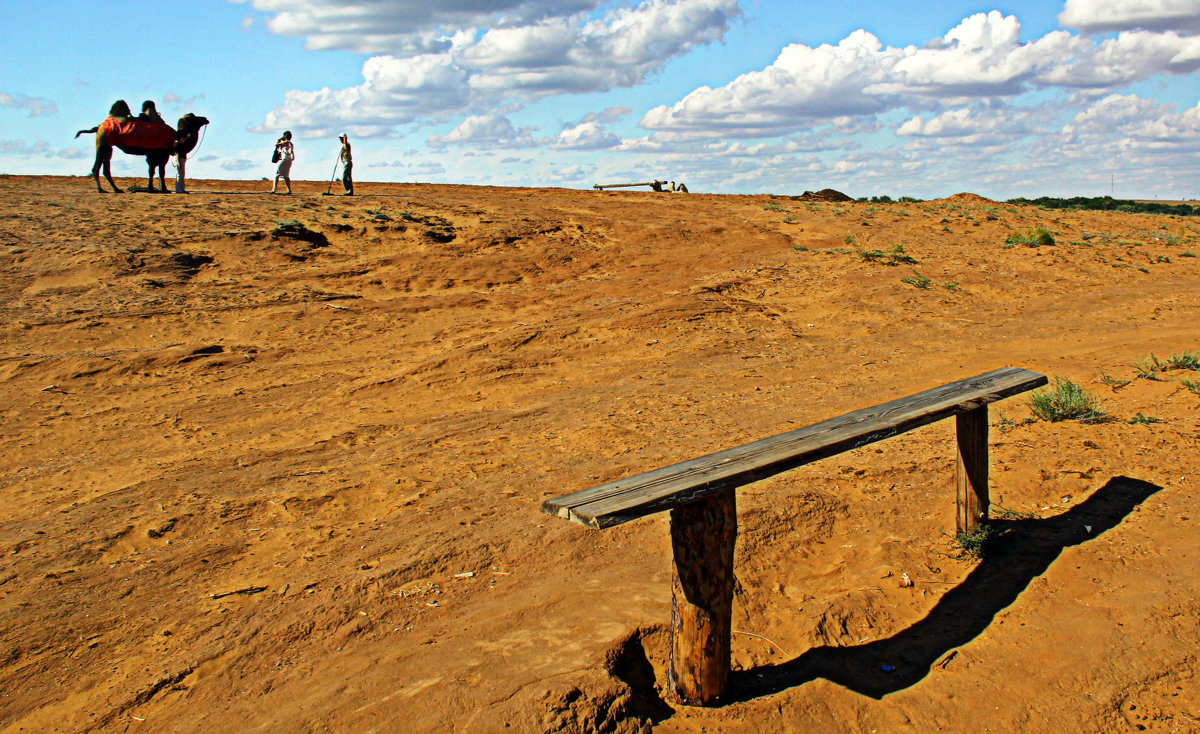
(1140, 419)
(1033, 237)
(1193, 385)
(975, 545)
(917, 281)
(1184, 361)
(1149, 367)
(894, 256)
(1066, 400)
(1007, 513)
(1113, 382)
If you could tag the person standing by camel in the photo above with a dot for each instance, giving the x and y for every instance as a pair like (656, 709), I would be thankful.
(286, 153)
(347, 165)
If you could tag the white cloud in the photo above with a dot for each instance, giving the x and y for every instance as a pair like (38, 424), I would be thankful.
(1130, 57)
(968, 126)
(404, 27)
(238, 164)
(569, 175)
(36, 106)
(981, 57)
(1097, 16)
(533, 53)
(20, 147)
(585, 136)
(1135, 124)
(494, 130)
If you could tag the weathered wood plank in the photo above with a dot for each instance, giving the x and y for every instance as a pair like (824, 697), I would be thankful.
(971, 430)
(703, 535)
(662, 489)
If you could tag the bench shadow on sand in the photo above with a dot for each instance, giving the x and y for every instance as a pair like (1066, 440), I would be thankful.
(1021, 554)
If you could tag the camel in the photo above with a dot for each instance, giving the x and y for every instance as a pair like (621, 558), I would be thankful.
(139, 136)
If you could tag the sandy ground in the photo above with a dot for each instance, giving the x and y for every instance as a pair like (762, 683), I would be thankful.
(275, 463)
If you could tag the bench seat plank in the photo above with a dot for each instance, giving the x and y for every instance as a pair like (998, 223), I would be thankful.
(627, 499)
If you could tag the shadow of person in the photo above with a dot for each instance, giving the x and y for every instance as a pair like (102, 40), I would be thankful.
(1023, 551)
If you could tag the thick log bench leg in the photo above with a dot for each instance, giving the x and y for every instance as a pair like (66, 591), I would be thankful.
(703, 534)
(972, 429)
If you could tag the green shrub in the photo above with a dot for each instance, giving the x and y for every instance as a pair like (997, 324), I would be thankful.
(1066, 400)
(918, 281)
(1031, 237)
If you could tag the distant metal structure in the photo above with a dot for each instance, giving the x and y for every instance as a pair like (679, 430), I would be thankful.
(654, 185)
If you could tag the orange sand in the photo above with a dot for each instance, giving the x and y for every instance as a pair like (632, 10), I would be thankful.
(258, 482)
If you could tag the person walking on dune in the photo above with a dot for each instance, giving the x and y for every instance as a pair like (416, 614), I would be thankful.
(286, 153)
(347, 165)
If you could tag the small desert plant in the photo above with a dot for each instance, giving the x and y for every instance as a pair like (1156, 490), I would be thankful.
(950, 285)
(1007, 513)
(849, 239)
(1185, 361)
(1031, 237)
(1113, 382)
(1193, 385)
(799, 248)
(1066, 400)
(1145, 420)
(975, 545)
(772, 207)
(1148, 368)
(1189, 253)
(917, 281)
(894, 256)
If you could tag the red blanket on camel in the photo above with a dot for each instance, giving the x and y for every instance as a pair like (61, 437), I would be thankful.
(135, 133)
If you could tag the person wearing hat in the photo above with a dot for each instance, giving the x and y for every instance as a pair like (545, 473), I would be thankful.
(347, 165)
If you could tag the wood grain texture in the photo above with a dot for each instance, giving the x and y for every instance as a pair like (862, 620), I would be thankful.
(662, 489)
(703, 535)
(972, 474)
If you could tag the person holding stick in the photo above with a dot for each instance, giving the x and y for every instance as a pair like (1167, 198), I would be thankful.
(347, 165)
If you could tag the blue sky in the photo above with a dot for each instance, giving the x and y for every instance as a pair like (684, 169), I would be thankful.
(1008, 99)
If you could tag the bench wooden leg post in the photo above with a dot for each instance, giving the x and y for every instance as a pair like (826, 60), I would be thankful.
(703, 534)
(972, 429)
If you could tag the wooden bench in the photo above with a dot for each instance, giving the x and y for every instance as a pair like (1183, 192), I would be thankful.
(700, 495)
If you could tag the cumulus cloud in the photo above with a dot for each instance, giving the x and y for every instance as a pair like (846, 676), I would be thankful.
(1098, 16)
(404, 27)
(495, 130)
(967, 125)
(1129, 57)
(536, 50)
(982, 58)
(588, 135)
(36, 106)
(1136, 124)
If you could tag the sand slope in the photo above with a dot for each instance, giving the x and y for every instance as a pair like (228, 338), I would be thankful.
(275, 462)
